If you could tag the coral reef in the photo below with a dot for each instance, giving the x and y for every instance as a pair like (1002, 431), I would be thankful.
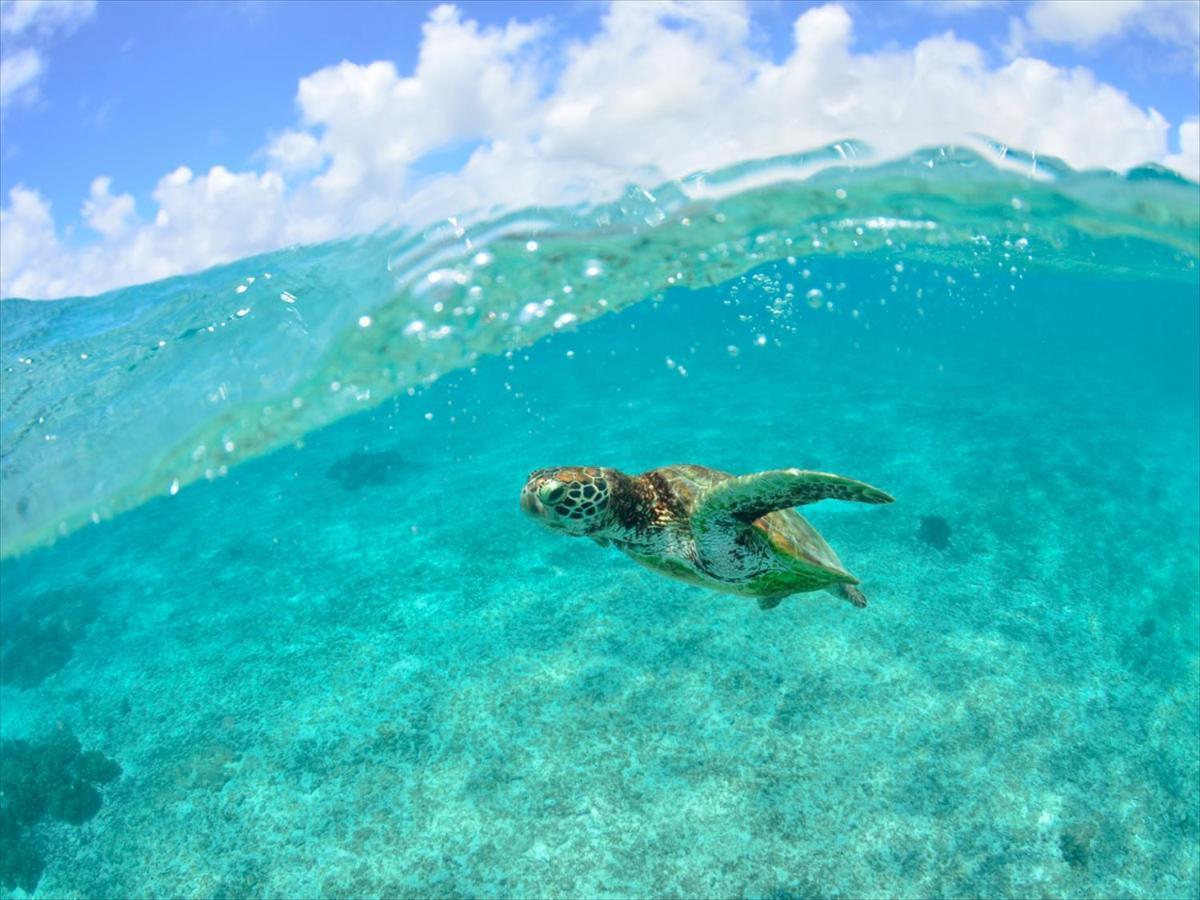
(1075, 844)
(53, 778)
(20, 862)
(37, 638)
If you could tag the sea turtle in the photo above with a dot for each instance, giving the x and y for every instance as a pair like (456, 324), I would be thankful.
(737, 534)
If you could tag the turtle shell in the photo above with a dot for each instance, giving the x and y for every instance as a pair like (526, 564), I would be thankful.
(789, 534)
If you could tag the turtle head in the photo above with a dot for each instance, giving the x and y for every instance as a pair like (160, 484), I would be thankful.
(573, 499)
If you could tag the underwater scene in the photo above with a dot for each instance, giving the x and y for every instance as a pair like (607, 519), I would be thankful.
(273, 622)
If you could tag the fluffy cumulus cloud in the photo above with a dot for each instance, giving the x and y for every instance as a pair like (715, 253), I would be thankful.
(110, 216)
(1187, 160)
(662, 89)
(30, 255)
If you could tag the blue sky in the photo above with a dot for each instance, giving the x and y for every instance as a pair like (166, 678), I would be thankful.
(134, 90)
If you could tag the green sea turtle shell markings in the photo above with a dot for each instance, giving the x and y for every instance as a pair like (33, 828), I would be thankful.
(812, 561)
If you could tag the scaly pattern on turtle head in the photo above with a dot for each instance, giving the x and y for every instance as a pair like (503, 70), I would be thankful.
(574, 499)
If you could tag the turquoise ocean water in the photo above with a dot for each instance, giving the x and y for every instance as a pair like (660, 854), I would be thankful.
(262, 551)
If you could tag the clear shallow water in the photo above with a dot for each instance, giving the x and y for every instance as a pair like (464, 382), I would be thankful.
(352, 668)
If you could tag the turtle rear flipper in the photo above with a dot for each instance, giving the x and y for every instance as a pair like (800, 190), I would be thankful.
(750, 497)
(847, 592)
(851, 593)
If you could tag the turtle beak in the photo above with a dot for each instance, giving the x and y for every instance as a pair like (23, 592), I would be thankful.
(531, 504)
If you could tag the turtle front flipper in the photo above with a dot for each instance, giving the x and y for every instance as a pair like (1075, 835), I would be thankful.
(750, 497)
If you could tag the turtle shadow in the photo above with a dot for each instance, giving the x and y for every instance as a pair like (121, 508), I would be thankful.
(367, 468)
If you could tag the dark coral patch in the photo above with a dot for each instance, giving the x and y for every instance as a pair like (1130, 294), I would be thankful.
(37, 637)
(934, 531)
(1075, 845)
(20, 862)
(52, 778)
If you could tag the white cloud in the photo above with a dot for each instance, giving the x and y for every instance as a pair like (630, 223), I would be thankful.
(1081, 22)
(25, 25)
(1187, 160)
(30, 256)
(109, 215)
(43, 18)
(661, 90)
(18, 77)
(369, 124)
(296, 151)
(1088, 23)
(219, 216)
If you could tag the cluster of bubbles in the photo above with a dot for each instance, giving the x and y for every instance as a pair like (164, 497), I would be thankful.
(460, 293)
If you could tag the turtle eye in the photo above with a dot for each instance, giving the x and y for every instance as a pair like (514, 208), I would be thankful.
(554, 495)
